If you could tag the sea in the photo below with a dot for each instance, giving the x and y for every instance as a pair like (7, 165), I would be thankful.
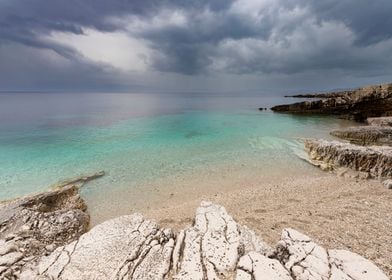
(148, 143)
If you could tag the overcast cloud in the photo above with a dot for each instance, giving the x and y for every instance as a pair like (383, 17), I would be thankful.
(221, 45)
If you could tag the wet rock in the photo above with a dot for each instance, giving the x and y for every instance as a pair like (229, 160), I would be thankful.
(374, 161)
(360, 104)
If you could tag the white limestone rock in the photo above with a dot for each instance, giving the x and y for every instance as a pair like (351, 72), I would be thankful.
(259, 267)
(348, 265)
(127, 247)
(302, 257)
(308, 261)
(211, 248)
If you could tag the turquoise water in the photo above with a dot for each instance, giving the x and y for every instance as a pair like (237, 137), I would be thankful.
(139, 138)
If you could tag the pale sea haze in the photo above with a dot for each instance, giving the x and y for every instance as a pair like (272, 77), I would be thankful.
(140, 139)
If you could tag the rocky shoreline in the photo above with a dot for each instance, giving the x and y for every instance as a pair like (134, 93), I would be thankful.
(360, 104)
(369, 151)
(46, 237)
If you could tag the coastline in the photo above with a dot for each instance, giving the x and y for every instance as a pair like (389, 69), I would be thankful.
(346, 211)
(345, 216)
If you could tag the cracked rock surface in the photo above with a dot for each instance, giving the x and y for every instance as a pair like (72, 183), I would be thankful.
(214, 247)
(34, 226)
(211, 248)
(305, 260)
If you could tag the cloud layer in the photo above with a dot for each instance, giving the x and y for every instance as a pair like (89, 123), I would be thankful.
(97, 44)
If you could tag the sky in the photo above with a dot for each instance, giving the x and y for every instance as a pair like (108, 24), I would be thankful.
(188, 45)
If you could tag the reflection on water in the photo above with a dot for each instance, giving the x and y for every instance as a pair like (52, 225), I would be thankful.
(140, 138)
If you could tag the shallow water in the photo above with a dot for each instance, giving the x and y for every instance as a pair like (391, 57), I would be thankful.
(140, 139)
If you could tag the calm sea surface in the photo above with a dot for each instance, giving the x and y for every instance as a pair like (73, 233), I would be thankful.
(139, 138)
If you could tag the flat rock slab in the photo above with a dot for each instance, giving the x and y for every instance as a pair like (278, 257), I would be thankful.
(214, 247)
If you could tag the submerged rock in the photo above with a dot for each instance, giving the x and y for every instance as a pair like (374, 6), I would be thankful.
(360, 104)
(366, 135)
(374, 161)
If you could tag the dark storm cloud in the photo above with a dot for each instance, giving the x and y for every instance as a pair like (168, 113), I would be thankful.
(370, 20)
(250, 37)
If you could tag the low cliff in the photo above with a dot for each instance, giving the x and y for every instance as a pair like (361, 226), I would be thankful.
(360, 104)
(375, 161)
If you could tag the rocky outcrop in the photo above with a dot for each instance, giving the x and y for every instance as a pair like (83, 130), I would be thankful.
(366, 135)
(214, 247)
(360, 104)
(373, 161)
(33, 227)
